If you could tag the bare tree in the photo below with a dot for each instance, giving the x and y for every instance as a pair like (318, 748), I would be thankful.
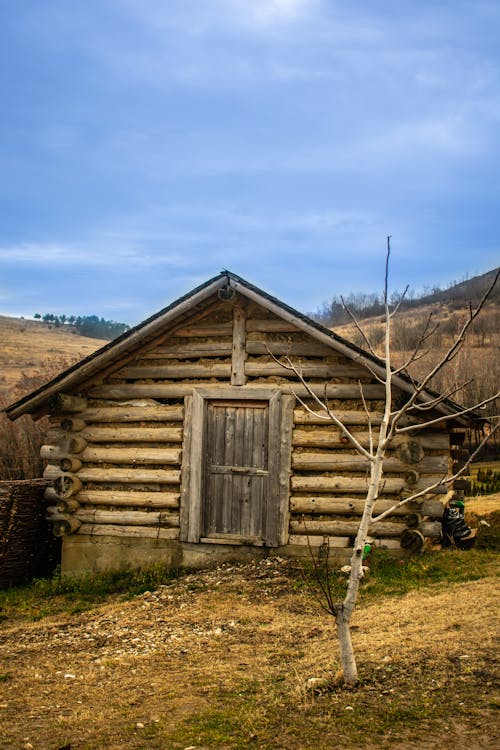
(422, 405)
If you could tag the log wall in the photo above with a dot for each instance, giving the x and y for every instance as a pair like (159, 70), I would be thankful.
(115, 450)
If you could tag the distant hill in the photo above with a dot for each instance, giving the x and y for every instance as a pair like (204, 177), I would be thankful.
(32, 352)
(474, 374)
(463, 291)
(457, 295)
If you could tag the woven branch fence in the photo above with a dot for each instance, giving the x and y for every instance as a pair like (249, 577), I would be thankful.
(28, 548)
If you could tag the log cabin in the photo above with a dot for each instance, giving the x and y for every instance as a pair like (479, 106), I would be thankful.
(185, 442)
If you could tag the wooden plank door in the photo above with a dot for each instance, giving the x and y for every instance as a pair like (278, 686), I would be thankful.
(236, 476)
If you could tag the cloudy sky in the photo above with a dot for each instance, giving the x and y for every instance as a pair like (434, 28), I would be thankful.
(147, 144)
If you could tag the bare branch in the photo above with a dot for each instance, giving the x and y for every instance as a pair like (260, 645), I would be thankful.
(450, 353)
(414, 357)
(358, 327)
(386, 275)
(440, 398)
(399, 302)
(369, 420)
(417, 352)
(311, 411)
(331, 606)
(469, 410)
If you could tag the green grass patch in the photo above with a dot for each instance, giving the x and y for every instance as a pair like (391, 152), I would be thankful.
(75, 594)
(389, 576)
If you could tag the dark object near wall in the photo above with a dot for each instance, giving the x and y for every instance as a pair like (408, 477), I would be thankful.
(27, 547)
(456, 531)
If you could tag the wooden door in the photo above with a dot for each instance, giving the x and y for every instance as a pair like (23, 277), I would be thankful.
(236, 474)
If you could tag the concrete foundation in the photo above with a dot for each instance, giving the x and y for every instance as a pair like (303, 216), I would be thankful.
(83, 553)
(99, 554)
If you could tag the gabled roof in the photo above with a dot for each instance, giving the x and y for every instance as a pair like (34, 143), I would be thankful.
(39, 400)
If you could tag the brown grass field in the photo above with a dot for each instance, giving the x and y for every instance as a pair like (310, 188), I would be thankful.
(220, 659)
(28, 347)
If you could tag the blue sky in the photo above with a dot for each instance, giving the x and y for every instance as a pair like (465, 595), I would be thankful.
(147, 144)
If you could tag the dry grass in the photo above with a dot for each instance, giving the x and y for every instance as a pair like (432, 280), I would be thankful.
(482, 505)
(26, 345)
(220, 660)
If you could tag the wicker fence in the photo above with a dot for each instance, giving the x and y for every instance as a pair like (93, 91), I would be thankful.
(27, 546)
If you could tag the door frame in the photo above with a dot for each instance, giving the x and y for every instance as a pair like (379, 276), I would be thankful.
(280, 431)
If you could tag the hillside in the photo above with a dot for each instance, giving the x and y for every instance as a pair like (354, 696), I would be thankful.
(477, 365)
(32, 352)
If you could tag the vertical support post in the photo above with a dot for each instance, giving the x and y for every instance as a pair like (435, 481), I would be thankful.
(239, 354)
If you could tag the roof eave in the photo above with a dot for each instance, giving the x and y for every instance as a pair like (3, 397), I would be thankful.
(36, 401)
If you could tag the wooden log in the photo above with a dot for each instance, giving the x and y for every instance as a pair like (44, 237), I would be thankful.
(331, 436)
(298, 540)
(64, 485)
(67, 506)
(133, 476)
(51, 496)
(70, 463)
(73, 424)
(238, 356)
(134, 413)
(233, 539)
(134, 455)
(346, 528)
(63, 524)
(192, 350)
(130, 499)
(412, 540)
(103, 434)
(127, 517)
(51, 453)
(432, 507)
(176, 371)
(386, 543)
(205, 330)
(288, 348)
(342, 462)
(272, 325)
(300, 416)
(351, 506)
(431, 529)
(179, 390)
(309, 370)
(336, 484)
(65, 442)
(63, 402)
(65, 527)
(140, 532)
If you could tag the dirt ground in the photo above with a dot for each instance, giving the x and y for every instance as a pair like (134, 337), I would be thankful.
(221, 659)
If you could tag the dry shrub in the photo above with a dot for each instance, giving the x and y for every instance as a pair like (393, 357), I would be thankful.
(20, 441)
(20, 444)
